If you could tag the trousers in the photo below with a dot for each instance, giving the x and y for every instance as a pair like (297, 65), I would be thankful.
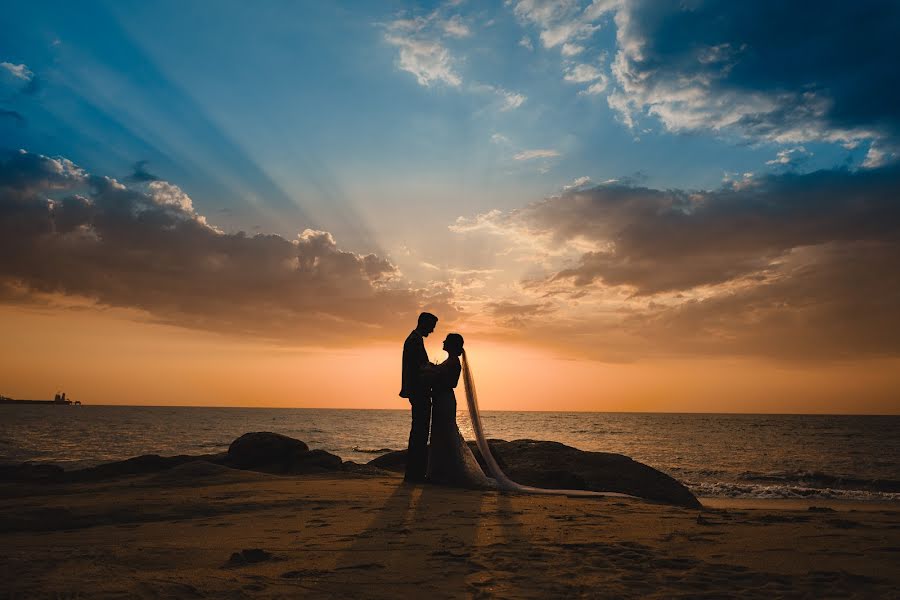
(417, 450)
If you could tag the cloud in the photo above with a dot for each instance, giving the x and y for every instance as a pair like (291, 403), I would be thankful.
(68, 233)
(564, 24)
(571, 49)
(787, 265)
(578, 183)
(596, 88)
(510, 313)
(17, 71)
(582, 74)
(140, 173)
(429, 61)
(559, 21)
(537, 153)
(790, 157)
(748, 69)
(17, 79)
(879, 155)
(424, 53)
(512, 100)
(454, 27)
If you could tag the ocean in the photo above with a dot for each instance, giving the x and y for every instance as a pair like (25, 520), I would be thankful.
(716, 455)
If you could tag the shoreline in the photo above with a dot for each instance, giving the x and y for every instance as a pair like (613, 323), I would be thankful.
(797, 504)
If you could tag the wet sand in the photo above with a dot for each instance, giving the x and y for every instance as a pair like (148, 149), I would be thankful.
(173, 534)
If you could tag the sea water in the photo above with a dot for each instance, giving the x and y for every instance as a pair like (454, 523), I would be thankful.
(716, 455)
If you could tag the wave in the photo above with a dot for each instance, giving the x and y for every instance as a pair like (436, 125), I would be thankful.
(372, 451)
(816, 479)
(722, 489)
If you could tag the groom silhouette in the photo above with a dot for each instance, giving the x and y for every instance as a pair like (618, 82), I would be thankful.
(419, 394)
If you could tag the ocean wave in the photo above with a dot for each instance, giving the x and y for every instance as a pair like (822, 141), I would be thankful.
(372, 451)
(722, 489)
(816, 479)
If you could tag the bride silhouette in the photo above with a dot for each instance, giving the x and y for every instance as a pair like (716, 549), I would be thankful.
(450, 461)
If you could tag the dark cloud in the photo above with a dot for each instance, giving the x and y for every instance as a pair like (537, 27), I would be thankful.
(788, 264)
(140, 174)
(65, 231)
(838, 300)
(784, 71)
(514, 314)
(661, 241)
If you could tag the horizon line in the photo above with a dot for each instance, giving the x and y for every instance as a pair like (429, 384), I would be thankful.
(634, 412)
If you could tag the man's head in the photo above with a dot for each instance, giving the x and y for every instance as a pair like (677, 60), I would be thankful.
(427, 321)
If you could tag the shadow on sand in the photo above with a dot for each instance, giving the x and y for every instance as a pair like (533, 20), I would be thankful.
(418, 544)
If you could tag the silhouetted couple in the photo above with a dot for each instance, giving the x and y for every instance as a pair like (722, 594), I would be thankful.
(429, 388)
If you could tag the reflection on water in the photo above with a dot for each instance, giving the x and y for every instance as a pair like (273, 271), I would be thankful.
(716, 455)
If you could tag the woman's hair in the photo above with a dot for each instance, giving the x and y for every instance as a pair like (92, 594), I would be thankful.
(454, 340)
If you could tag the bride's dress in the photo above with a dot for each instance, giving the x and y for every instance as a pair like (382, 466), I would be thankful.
(450, 461)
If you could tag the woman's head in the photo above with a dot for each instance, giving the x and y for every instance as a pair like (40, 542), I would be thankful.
(453, 345)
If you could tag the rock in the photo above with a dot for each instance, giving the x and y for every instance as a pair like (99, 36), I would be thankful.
(139, 465)
(275, 453)
(317, 461)
(262, 452)
(392, 461)
(554, 465)
(249, 556)
(30, 472)
(264, 449)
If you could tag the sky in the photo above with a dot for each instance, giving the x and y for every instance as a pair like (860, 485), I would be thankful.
(627, 206)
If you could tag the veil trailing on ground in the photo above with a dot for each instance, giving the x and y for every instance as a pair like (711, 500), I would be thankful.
(494, 470)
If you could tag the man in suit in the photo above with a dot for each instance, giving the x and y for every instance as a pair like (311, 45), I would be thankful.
(419, 395)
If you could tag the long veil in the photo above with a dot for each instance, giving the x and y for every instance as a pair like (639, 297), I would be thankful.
(494, 470)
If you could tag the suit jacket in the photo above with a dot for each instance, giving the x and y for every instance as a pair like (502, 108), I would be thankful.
(414, 358)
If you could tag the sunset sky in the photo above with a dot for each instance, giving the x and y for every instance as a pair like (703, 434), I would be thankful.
(625, 206)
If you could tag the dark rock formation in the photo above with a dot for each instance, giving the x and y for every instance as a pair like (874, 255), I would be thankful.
(276, 453)
(529, 462)
(249, 556)
(139, 465)
(554, 465)
(265, 449)
(261, 451)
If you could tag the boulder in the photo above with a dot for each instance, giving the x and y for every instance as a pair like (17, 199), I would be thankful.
(554, 465)
(317, 461)
(275, 453)
(265, 451)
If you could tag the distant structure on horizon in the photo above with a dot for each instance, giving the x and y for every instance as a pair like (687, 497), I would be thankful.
(59, 398)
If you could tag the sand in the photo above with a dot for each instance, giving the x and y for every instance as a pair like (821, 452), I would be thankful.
(173, 534)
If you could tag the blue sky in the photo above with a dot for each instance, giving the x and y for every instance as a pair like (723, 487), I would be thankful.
(503, 157)
(289, 115)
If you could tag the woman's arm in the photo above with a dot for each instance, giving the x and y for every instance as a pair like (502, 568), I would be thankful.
(445, 374)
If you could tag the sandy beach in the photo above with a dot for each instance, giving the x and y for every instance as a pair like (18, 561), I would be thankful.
(182, 533)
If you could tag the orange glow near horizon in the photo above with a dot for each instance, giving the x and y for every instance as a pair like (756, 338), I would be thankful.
(109, 358)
